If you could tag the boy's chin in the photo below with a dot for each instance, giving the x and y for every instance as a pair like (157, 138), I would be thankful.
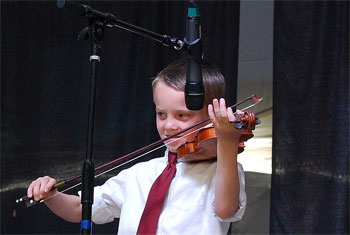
(172, 149)
(173, 146)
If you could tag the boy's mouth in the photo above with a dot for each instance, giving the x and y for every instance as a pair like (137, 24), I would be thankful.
(174, 138)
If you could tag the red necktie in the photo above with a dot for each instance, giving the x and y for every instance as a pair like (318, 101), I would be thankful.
(156, 196)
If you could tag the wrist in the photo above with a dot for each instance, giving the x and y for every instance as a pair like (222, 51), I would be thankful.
(228, 137)
(50, 195)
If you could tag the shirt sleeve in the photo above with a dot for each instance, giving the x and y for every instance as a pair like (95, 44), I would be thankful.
(242, 199)
(109, 198)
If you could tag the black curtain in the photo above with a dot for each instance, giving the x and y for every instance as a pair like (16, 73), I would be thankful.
(45, 81)
(310, 179)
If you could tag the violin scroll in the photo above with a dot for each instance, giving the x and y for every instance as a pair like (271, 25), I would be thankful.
(247, 121)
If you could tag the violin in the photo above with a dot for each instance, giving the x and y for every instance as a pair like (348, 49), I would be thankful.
(206, 141)
(203, 147)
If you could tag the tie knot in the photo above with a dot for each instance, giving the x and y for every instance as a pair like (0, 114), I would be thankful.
(172, 158)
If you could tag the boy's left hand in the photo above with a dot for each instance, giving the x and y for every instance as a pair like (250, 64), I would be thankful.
(221, 117)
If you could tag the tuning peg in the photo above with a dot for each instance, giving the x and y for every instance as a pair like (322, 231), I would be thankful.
(239, 125)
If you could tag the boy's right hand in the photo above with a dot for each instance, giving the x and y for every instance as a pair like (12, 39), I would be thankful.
(40, 188)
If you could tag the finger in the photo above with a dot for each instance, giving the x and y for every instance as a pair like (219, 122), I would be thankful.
(216, 108)
(223, 113)
(210, 109)
(211, 112)
(238, 111)
(50, 184)
(30, 190)
(230, 114)
(36, 189)
(43, 186)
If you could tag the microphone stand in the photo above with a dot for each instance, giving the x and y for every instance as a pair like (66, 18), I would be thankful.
(95, 32)
(97, 22)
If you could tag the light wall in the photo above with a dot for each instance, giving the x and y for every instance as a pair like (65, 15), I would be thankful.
(255, 76)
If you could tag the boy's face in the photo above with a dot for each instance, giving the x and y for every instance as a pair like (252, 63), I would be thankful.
(172, 114)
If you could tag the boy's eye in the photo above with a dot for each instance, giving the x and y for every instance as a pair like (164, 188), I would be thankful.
(183, 115)
(160, 114)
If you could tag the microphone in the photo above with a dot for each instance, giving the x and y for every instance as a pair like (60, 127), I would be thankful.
(80, 9)
(194, 88)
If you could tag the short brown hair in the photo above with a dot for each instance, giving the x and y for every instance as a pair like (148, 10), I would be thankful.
(175, 75)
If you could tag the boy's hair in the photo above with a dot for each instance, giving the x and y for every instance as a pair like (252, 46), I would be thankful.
(175, 75)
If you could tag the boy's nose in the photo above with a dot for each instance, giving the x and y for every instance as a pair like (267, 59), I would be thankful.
(170, 124)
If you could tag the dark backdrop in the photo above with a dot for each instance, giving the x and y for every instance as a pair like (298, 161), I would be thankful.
(310, 178)
(45, 76)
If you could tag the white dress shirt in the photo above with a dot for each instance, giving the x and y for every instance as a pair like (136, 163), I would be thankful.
(188, 207)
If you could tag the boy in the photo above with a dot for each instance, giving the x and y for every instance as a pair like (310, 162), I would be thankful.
(203, 197)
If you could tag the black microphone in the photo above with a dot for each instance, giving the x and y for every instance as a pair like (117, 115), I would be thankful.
(194, 88)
